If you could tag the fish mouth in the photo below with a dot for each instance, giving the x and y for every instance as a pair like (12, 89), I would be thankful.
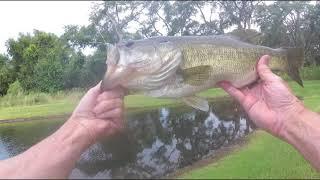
(115, 76)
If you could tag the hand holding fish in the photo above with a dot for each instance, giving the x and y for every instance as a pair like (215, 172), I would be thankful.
(100, 112)
(269, 102)
(274, 108)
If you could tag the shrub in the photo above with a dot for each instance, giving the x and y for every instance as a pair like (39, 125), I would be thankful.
(15, 88)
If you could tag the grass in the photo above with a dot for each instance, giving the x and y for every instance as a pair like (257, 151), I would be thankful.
(36, 98)
(61, 103)
(55, 108)
(310, 93)
(38, 104)
(263, 157)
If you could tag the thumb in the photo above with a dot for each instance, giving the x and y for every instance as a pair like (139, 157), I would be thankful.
(95, 91)
(231, 90)
(263, 69)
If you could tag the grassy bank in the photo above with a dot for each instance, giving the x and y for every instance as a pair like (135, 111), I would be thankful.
(62, 103)
(263, 157)
(21, 107)
(38, 104)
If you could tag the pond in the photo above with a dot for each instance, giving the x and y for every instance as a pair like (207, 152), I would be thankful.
(156, 142)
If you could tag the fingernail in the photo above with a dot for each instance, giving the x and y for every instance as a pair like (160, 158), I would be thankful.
(266, 59)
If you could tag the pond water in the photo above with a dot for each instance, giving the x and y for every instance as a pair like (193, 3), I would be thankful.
(156, 142)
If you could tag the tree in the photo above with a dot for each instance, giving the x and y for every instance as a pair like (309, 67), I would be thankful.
(287, 24)
(6, 75)
(238, 13)
(313, 34)
(211, 25)
(38, 60)
(73, 72)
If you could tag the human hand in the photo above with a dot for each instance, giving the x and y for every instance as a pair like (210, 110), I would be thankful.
(100, 113)
(269, 103)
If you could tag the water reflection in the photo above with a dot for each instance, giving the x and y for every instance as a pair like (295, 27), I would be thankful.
(159, 141)
(155, 142)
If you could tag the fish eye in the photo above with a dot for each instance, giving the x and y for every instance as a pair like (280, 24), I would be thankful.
(129, 44)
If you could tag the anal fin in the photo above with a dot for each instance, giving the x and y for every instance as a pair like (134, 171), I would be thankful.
(197, 103)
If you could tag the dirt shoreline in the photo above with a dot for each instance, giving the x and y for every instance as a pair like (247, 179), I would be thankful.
(214, 158)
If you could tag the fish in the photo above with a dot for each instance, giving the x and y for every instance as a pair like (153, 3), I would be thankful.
(180, 67)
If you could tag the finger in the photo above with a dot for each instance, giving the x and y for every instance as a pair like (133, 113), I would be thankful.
(118, 122)
(232, 91)
(95, 90)
(112, 114)
(109, 128)
(263, 69)
(245, 91)
(107, 95)
(107, 105)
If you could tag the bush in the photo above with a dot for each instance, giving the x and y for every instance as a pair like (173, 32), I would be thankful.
(306, 73)
(310, 73)
(34, 98)
(15, 89)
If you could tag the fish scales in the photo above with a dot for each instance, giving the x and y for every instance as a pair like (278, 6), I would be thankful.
(227, 63)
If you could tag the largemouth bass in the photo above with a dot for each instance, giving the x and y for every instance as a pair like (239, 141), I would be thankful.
(180, 67)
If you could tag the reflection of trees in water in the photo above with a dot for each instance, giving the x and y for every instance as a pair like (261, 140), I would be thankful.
(18, 137)
(159, 141)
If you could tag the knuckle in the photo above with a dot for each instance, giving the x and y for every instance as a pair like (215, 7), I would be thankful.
(105, 103)
(119, 102)
(118, 112)
(116, 102)
(231, 90)
(106, 95)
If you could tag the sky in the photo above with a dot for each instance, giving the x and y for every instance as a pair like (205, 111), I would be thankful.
(48, 16)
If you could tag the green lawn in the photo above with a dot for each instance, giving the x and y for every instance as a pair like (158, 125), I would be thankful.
(263, 157)
(66, 106)
(310, 92)
(56, 108)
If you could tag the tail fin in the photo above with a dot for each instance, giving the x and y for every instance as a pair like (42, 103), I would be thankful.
(295, 58)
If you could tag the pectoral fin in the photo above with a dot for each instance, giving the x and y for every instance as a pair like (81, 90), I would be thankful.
(196, 75)
(197, 103)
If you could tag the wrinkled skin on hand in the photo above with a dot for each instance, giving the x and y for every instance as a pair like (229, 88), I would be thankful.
(269, 102)
(100, 113)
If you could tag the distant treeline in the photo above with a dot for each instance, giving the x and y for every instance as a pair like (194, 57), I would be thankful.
(47, 63)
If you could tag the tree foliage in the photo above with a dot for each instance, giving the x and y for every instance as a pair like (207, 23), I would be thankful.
(290, 24)
(6, 74)
(45, 62)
